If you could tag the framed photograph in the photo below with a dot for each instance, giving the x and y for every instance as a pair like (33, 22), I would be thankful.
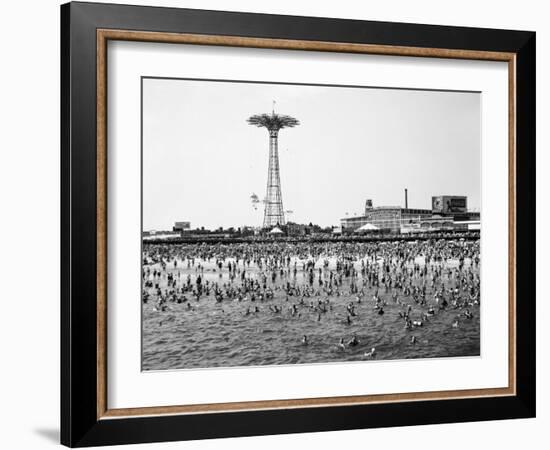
(277, 224)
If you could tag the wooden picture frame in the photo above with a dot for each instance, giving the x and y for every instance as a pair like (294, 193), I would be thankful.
(86, 418)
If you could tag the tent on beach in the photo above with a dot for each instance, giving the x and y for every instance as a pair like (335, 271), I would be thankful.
(276, 230)
(368, 227)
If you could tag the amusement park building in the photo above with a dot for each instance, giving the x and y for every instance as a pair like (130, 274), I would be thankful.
(386, 218)
(447, 213)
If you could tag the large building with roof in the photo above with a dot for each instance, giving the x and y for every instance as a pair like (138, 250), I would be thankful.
(385, 218)
(447, 213)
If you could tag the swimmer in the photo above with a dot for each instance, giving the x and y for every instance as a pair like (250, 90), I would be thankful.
(353, 341)
(370, 354)
(341, 344)
(304, 340)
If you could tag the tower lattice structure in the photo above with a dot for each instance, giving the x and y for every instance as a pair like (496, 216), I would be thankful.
(273, 213)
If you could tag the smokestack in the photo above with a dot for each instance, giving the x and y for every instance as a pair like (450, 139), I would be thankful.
(406, 199)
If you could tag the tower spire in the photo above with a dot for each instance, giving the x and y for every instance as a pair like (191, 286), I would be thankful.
(273, 213)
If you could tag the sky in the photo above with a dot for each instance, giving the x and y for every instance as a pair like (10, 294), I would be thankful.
(202, 162)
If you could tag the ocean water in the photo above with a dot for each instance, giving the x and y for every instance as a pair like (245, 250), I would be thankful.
(221, 334)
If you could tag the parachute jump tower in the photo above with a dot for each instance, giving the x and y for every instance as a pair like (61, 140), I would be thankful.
(273, 213)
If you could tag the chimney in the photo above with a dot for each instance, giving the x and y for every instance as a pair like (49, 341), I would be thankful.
(406, 199)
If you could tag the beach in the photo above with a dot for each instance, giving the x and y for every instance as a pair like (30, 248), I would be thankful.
(216, 305)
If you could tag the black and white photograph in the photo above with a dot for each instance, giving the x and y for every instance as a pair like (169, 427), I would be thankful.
(296, 224)
(275, 225)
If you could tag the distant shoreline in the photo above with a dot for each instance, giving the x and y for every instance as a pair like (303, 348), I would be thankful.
(469, 236)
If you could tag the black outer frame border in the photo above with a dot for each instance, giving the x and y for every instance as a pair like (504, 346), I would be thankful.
(79, 425)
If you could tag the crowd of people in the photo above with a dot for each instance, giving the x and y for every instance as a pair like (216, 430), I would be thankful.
(413, 281)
